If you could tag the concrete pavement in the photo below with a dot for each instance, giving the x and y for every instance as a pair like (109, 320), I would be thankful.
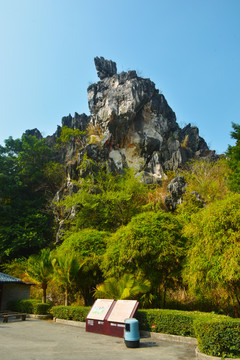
(47, 340)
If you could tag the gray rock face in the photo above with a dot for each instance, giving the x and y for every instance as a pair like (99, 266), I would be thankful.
(137, 126)
(105, 68)
(176, 189)
(66, 154)
(34, 132)
(77, 122)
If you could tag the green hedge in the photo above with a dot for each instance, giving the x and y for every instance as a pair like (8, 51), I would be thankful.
(175, 322)
(218, 337)
(29, 306)
(76, 313)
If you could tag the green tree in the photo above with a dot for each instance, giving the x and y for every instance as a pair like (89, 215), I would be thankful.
(191, 205)
(67, 135)
(106, 201)
(28, 180)
(126, 287)
(40, 270)
(90, 246)
(66, 268)
(213, 259)
(233, 155)
(150, 246)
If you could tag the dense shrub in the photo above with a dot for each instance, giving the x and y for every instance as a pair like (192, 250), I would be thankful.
(29, 306)
(173, 322)
(167, 321)
(218, 337)
(76, 313)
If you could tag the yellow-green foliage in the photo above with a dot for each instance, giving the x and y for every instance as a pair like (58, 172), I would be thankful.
(208, 178)
(155, 194)
(213, 259)
(126, 287)
(67, 135)
(184, 144)
(107, 201)
(190, 205)
(94, 133)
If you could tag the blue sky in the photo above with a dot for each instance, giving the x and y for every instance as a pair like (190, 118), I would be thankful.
(189, 48)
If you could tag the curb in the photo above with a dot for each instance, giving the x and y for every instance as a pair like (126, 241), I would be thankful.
(144, 334)
(70, 322)
(40, 317)
(168, 337)
(201, 356)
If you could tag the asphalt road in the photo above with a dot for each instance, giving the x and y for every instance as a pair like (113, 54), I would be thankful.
(47, 340)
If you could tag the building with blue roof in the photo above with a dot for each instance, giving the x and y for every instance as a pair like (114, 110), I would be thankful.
(12, 288)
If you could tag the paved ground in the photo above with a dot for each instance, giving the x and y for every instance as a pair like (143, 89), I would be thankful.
(47, 340)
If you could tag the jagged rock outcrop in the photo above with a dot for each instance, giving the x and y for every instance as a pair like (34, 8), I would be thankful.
(138, 127)
(105, 68)
(34, 132)
(176, 189)
(130, 125)
(67, 153)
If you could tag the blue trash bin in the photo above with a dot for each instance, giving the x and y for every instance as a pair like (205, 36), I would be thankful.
(131, 333)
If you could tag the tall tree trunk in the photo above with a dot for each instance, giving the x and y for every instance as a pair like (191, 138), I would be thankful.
(66, 297)
(235, 296)
(44, 296)
(164, 297)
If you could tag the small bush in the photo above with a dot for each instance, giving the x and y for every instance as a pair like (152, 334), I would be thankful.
(29, 306)
(41, 308)
(76, 313)
(218, 337)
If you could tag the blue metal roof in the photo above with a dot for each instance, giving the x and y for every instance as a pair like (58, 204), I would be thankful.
(4, 278)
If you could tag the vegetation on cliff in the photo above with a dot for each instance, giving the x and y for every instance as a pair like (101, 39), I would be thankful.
(118, 227)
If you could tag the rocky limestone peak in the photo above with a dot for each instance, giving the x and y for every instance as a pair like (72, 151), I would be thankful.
(138, 127)
(105, 68)
(130, 125)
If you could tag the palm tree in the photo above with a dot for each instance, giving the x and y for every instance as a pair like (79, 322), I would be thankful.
(66, 269)
(40, 270)
(124, 288)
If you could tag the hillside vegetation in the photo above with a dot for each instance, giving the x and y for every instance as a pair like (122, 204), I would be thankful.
(119, 231)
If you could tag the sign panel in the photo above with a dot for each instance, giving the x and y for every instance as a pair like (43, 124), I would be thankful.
(122, 310)
(100, 309)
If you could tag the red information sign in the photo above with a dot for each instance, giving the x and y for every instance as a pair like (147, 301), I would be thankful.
(108, 316)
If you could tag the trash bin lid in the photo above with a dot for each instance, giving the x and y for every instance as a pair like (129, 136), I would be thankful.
(131, 321)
